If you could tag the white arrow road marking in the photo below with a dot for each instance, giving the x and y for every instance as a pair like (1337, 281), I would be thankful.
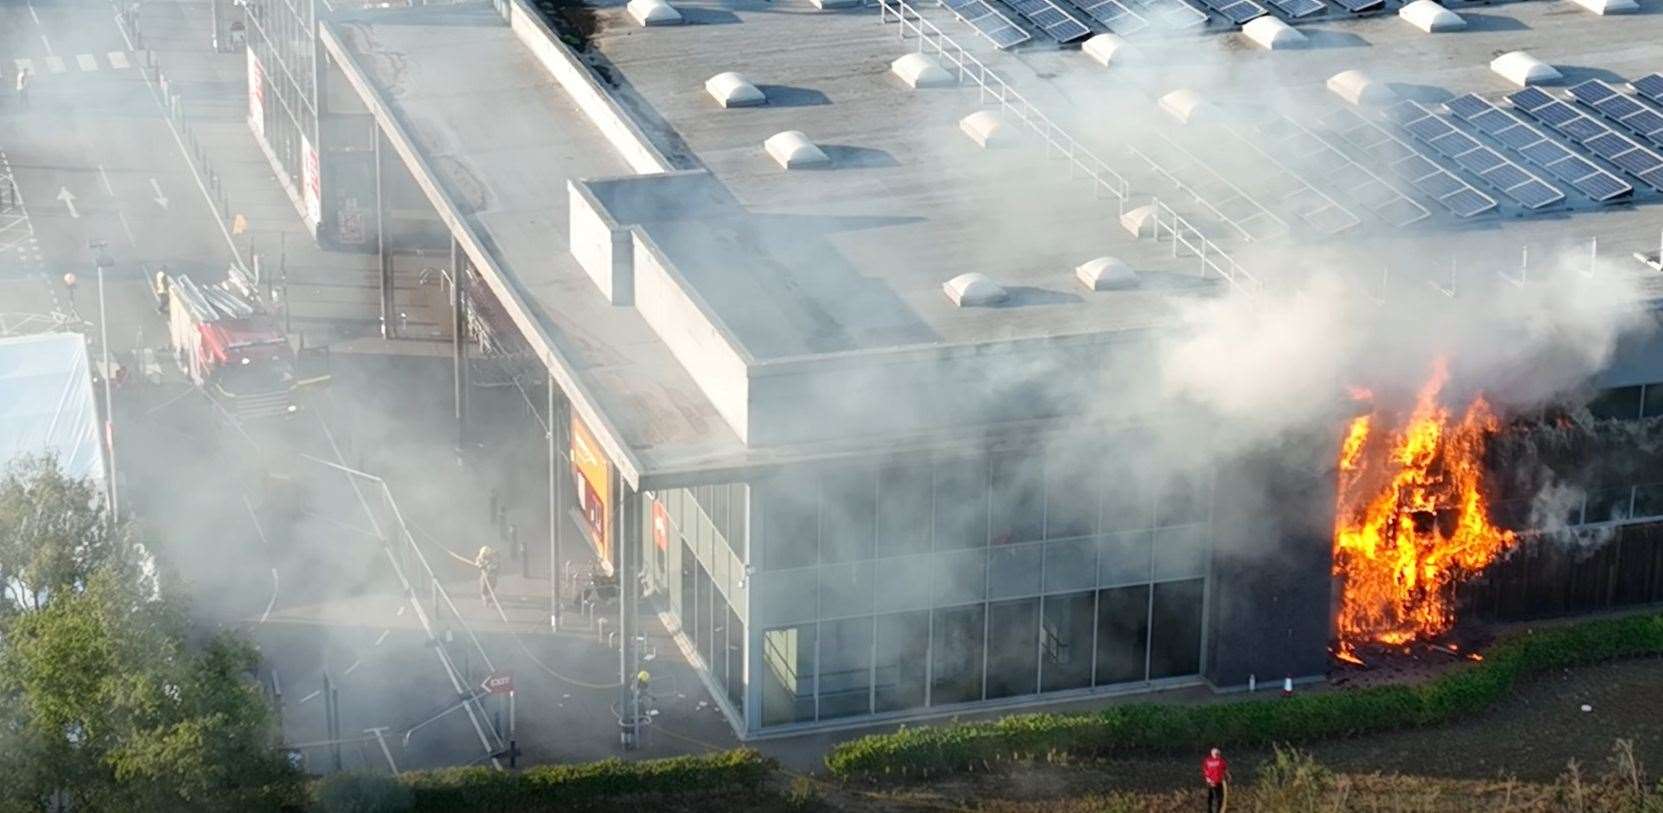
(118, 60)
(105, 176)
(86, 62)
(33, 15)
(48, 43)
(161, 199)
(54, 64)
(68, 198)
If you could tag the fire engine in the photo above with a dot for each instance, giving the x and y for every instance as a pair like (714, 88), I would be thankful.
(227, 343)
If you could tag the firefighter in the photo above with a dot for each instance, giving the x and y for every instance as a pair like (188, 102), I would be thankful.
(1215, 772)
(23, 78)
(488, 565)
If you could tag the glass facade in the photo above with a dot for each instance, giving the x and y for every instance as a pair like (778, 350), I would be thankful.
(921, 584)
(280, 38)
(698, 562)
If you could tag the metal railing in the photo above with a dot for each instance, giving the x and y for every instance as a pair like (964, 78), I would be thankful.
(1212, 258)
(995, 89)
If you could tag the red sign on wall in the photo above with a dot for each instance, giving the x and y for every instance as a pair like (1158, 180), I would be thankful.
(660, 526)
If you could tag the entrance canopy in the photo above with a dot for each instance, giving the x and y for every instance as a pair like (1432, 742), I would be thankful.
(47, 404)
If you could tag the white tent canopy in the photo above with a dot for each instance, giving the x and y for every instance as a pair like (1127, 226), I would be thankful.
(47, 405)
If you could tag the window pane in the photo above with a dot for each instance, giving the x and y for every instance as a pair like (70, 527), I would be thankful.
(1071, 565)
(1124, 558)
(788, 675)
(699, 620)
(903, 510)
(1622, 402)
(736, 661)
(845, 667)
(1013, 648)
(1182, 500)
(1653, 404)
(903, 638)
(1122, 634)
(956, 655)
(1018, 498)
(688, 566)
(707, 618)
(848, 513)
(739, 534)
(1180, 553)
(790, 597)
(1014, 571)
(791, 517)
(960, 504)
(1065, 642)
(1071, 493)
(960, 576)
(1127, 503)
(901, 584)
(1177, 632)
(846, 590)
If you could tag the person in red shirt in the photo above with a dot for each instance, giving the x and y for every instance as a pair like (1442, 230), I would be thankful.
(1216, 773)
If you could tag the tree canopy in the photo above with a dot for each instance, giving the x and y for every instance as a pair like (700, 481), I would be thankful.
(108, 698)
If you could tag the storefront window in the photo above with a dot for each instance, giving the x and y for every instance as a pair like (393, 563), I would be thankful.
(901, 667)
(956, 655)
(845, 668)
(791, 521)
(1013, 648)
(1122, 634)
(1018, 498)
(1071, 486)
(848, 514)
(1065, 642)
(903, 518)
(960, 504)
(1176, 650)
(788, 675)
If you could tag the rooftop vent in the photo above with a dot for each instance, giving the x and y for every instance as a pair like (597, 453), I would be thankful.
(1523, 69)
(1141, 221)
(986, 129)
(654, 12)
(973, 290)
(1609, 6)
(1273, 34)
(1360, 89)
(1185, 105)
(920, 71)
(792, 150)
(1430, 17)
(732, 90)
(1106, 274)
(1107, 48)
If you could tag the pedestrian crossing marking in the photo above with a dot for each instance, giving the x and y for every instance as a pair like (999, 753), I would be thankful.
(25, 65)
(118, 60)
(86, 62)
(54, 64)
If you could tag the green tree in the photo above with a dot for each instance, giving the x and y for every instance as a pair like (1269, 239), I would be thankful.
(107, 698)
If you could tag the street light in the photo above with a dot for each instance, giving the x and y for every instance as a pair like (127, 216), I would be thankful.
(101, 262)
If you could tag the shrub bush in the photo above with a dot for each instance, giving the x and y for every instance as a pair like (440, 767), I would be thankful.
(548, 787)
(1150, 727)
(360, 793)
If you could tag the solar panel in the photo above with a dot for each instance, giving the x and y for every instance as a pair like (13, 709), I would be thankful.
(1607, 144)
(1649, 86)
(1493, 121)
(1313, 155)
(1298, 8)
(996, 27)
(1530, 99)
(1646, 123)
(1637, 162)
(1572, 168)
(1428, 129)
(1602, 187)
(1361, 6)
(1535, 194)
(1170, 13)
(1468, 107)
(1583, 128)
(1114, 16)
(1555, 114)
(1416, 167)
(1542, 152)
(1453, 143)
(1237, 11)
(1618, 107)
(1505, 176)
(1468, 202)
(1051, 19)
(1654, 178)
(1522, 139)
(1439, 184)
(1591, 91)
(1623, 152)
(1529, 190)
(1479, 160)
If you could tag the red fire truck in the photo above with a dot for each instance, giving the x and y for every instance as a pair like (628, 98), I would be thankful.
(228, 344)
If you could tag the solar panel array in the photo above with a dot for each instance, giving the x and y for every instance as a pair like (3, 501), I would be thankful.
(1593, 134)
(1307, 152)
(994, 25)
(1579, 172)
(1406, 162)
(1272, 180)
(1361, 6)
(1236, 11)
(1513, 180)
(1114, 15)
(1649, 86)
(1051, 19)
(1295, 9)
(1633, 116)
(1170, 13)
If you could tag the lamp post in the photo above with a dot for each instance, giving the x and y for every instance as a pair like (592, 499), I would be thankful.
(100, 263)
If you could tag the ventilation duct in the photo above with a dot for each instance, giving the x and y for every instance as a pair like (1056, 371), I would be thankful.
(1430, 17)
(1185, 105)
(986, 129)
(1522, 69)
(792, 150)
(1272, 34)
(974, 290)
(1106, 49)
(1106, 274)
(732, 90)
(653, 12)
(920, 71)
(1360, 89)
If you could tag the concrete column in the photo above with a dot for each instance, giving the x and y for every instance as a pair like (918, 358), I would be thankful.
(557, 511)
(388, 314)
(626, 514)
(459, 338)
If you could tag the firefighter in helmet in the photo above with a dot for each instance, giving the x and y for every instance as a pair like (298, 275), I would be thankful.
(488, 564)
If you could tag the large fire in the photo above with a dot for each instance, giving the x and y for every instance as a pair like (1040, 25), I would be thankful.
(1410, 518)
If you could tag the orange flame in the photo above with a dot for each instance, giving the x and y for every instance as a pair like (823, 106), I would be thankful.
(1411, 520)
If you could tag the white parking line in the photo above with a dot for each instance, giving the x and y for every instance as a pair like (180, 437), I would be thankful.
(118, 60)
(86, 62)
(54, 64)
(25, 65)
